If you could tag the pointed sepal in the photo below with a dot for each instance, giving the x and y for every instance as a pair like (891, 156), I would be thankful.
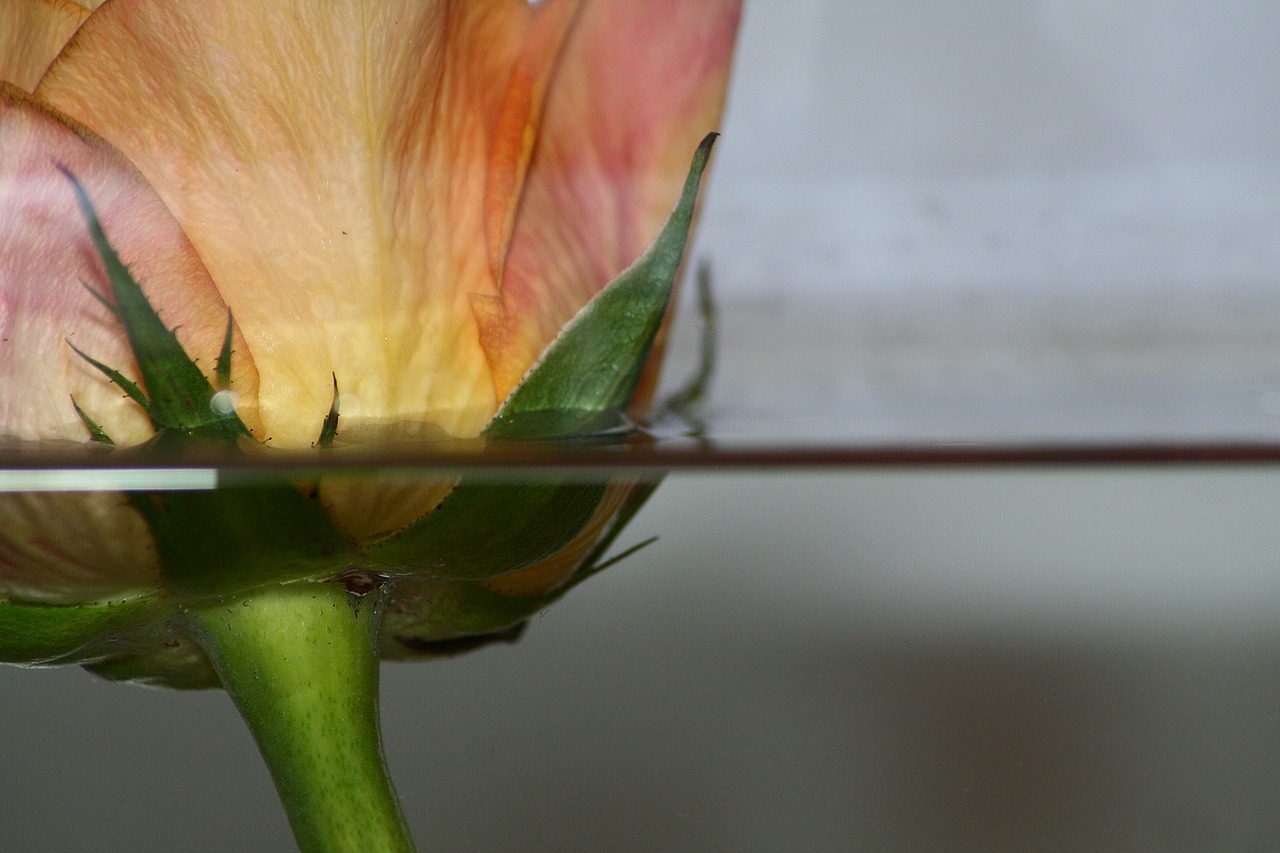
(589, 373)
(178, 396)
(329, 429)
(486, 529)
(96, 433)
(237, 538)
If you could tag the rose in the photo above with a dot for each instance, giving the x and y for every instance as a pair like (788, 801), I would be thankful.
(412, 197)
(428, 218)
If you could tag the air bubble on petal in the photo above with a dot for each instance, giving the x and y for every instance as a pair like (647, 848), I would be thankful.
(223, 403)
(322, 308)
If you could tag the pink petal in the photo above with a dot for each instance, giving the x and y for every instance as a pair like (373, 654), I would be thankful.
(47, 260)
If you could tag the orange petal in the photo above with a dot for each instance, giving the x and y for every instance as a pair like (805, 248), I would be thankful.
(518, 122)
(47, 260)
(639, 84)
(328, 161)
(32, 32)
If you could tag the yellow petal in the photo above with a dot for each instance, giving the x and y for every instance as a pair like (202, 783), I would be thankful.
(47, 260)
(328, 161)
(639, 84)
(32, 32)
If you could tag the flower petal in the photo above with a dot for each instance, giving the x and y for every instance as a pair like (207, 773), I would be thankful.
(47, 260)
(32, 32)
(74, 548)
(639, 84)
(328, 161)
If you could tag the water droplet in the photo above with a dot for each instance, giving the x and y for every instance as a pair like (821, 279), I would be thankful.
(223, 403)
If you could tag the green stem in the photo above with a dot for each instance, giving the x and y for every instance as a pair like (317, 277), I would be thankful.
(301, 663)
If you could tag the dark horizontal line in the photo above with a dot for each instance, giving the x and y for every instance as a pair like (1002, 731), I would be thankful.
(683, 455)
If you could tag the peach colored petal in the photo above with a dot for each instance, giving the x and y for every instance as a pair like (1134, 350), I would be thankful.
(32, 32)
(73, 548)
(47, 259)
(639, 84)
(329, 162)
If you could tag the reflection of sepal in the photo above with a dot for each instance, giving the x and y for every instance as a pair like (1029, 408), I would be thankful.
(484, 529)
(593, 367)
(433, 618)
(178, 396)
(235, 538)
(595, 560)
(177, 663)
(427, 617)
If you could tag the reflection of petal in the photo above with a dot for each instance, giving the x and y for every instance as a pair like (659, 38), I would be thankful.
(32, 32)
(328, 161)
(639, 84)
(47, 258)
(370, 504)
(549, 574)
(69, 548)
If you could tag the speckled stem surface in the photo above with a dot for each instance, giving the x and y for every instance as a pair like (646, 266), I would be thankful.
(301, 663)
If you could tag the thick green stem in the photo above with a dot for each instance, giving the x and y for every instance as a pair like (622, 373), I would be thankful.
(301, 663)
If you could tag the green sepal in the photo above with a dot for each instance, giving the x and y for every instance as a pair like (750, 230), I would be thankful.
(486, 529)
(96, 433)
(131, 390)
(102, 300)
(635, 501)
(593, 367)
(37, 634)
(237, 538)
(451, 611)
(222, 367)
(329, 429)
(178, 394)
(685, 402)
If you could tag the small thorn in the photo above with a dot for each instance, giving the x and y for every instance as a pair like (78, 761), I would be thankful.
(96, 433)
(330, 428)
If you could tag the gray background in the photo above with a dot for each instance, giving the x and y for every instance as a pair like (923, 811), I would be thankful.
(1030, 660)
(1053, 146)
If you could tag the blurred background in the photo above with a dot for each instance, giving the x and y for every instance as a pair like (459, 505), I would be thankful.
(930, 220)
